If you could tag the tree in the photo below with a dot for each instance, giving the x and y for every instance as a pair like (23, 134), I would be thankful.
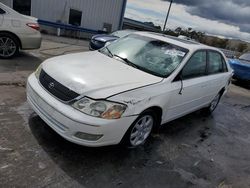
(170, 32)
(242, 47)
(178, 30)
(222, 43)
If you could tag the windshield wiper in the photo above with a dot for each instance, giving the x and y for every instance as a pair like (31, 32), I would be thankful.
(136, 66)
(110, 53)
(127, 61)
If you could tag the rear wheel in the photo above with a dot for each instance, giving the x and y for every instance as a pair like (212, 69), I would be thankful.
(9, 46)
(140, 130)
(213, 104)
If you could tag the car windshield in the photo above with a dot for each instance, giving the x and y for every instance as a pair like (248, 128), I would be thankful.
(121, 33)
(147, 54)
(245, 57)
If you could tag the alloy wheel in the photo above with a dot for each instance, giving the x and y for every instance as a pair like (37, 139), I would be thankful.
(8, 47)
(141, 130)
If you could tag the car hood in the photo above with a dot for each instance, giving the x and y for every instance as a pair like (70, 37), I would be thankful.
(104, 38)
(96, 75)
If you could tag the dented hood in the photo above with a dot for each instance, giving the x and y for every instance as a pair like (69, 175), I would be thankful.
(96, 75)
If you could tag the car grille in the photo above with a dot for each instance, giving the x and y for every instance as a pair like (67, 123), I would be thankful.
(56, 89)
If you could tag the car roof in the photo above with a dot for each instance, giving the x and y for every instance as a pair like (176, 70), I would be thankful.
(188, 44)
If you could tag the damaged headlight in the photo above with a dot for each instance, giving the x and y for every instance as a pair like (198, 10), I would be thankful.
(38, 71)
(100, 108)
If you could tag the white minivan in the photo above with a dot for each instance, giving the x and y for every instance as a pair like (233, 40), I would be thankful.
(128, 88)
(17, 31)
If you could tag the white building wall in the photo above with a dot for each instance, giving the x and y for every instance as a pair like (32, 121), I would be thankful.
(94, 12)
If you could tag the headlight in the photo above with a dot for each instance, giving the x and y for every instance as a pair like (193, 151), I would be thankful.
(38, 71)
(101, 109)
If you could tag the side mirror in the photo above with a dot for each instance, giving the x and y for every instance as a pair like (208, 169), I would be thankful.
(178, 77)
(181, 79)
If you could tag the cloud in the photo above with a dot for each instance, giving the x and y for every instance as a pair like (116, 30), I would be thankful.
(234, 12)
(195, 13)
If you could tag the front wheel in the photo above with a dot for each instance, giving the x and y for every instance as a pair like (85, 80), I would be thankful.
(9, 46)
(140, 130)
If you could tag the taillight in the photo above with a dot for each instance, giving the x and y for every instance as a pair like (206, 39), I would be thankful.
(33, 26)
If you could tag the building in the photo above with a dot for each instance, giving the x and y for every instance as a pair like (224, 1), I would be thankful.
(141, 26)
(104, 15)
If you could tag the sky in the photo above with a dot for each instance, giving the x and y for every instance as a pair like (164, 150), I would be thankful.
(224, 18)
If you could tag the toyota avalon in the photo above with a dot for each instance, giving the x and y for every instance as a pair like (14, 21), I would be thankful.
(130, 87)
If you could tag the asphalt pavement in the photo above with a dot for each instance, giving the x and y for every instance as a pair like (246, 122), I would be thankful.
(193, 151)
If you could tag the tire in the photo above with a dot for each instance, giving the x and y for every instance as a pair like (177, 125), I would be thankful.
(9, 46)
(140, 130)
(214, 103)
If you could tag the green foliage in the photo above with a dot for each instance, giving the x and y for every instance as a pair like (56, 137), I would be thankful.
(208, 40)
(242, 47)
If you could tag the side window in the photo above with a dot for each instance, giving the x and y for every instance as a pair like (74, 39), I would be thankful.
(215, 64)
(196, 66)
(2, 11)
(224, 65)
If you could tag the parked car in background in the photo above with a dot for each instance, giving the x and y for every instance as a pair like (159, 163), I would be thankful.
(17, 32)
(99, 41)
(241, 67)
(120, 93)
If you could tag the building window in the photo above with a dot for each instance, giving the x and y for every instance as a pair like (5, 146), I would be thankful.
(22, 6)
(107, 27)
(75, 17)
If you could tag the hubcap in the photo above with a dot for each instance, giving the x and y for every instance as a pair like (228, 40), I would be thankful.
(214, 102)
(7, 47)
(141, 130)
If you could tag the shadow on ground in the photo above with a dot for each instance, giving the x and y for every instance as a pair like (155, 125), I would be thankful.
(23, 62)
(160, 162)
(242, 84)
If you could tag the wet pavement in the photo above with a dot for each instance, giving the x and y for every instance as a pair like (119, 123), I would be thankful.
(194, 151)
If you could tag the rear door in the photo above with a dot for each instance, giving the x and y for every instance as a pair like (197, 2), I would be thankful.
(217, 73)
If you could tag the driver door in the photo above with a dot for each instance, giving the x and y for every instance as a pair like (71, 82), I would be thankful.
(191, 93)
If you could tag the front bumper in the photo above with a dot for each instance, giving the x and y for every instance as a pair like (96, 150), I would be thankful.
(67, 121)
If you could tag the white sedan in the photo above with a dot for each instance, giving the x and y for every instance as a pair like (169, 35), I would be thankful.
(17, 32)
(122, 92)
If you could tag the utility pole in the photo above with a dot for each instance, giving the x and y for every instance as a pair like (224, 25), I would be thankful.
(166, 20)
